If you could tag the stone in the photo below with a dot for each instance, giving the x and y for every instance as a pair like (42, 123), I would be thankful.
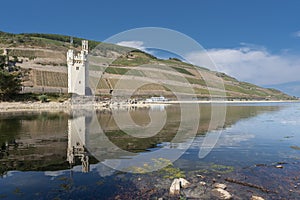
(184, 183)
(202, 183)
(201, 176)
(176, 184)
(256, 198)
(220, 185)
(175, 187)
(221, 194)
(194, 193)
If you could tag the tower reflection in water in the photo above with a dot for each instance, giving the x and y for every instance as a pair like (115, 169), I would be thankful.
(77, 128)
(131, 149)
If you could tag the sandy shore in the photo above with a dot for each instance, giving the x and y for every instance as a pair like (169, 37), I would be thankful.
(6, 107)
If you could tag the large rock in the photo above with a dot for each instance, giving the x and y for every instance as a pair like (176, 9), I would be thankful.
(221, 194)
(175, 187)
(184, 183)
(176, 184)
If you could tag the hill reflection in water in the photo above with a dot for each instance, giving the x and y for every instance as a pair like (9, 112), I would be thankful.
(55, 141)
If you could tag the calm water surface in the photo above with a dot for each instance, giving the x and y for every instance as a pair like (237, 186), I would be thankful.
(42, 156)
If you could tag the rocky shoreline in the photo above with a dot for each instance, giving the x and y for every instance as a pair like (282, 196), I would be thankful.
(238, 184)
(7, 107)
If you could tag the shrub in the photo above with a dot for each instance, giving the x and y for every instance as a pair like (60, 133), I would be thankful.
(43, 98)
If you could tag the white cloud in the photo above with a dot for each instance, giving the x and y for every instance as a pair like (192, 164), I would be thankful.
(132, 44)
(137, 45)
(296, 34)
(255, 65)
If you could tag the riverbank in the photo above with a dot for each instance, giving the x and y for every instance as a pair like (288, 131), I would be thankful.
(6, 107)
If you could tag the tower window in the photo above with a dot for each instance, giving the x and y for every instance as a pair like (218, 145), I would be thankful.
(77, 68)
(79, 82)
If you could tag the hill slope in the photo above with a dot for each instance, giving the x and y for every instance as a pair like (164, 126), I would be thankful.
(44, 56)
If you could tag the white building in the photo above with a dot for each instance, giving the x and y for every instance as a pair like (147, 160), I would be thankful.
(78, 70)
(156, 99)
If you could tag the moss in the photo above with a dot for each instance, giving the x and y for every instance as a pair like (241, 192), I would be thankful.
(221, 169)
(171, 172)
(165, 166)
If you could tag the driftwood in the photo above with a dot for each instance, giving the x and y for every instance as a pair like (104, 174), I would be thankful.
(249, 185)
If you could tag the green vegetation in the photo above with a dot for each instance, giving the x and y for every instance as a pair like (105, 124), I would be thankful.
(225, 77)
(183, 71)
(115, 70)
(10, 79)
(31, 97)
(10, 84)
(122, 71)
(133, 58)
(196, 81)
(48, 50)
(164, 166)
(212, 168)
(221, 169)
(40, 39)
(43, 98)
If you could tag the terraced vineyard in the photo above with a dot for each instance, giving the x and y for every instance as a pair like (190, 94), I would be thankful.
(45, 55)
(51, 79)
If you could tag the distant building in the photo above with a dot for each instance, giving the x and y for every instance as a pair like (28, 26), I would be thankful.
(78, 71)
(157, 99)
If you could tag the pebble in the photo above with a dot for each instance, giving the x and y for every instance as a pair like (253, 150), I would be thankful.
(202, 183)
(256, 198)
(220, 185)
(201, 176)
(279, 166)
(221, 194)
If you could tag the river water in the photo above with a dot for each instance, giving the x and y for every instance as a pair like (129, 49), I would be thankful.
(79, 155)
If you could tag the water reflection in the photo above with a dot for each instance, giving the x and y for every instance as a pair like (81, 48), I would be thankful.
(124, 147)
(44, 155)
(58, 141)
(77, 142)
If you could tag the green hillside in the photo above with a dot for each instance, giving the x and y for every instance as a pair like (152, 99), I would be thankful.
(44, 57)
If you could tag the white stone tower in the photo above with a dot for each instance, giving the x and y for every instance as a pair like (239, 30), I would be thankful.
(78, 82)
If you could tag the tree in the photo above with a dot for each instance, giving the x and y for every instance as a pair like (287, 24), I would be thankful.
(10, 84)
(2, 62)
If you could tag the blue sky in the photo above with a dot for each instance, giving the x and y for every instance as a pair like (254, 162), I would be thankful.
(261, 35)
